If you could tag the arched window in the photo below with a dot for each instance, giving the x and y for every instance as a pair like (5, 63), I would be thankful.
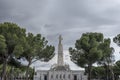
(57, 76)
(51, 76)
(75, 77)
(60, 76)
(64, 76)
(40, 76)
(69, 76)
(45, 77)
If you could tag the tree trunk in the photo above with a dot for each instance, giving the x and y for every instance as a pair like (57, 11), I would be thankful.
(113, 78)
(112, 73)
(3, 75)
(11, 73)
(106, 71)
(27, 70)
(89, 71)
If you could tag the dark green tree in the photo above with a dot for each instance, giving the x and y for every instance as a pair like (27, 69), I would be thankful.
(107, 58)
(116, 69)
(36, 48)
(87, 51)
(116, 40)
(2, 47)
(98, 72)
(13, 39)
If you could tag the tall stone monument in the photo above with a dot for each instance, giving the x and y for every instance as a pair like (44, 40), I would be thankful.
(60, 52)
(60, 71)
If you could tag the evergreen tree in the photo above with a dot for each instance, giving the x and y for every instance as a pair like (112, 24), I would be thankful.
(107, 58)
(12, 39)
(36, 48)
(87, 51)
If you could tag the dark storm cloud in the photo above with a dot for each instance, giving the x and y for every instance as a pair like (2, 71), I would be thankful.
(67, 17)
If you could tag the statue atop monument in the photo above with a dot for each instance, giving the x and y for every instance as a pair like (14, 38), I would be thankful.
(60, 39)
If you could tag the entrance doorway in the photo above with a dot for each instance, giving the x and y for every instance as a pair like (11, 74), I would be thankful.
(75, 77)
(45, 77)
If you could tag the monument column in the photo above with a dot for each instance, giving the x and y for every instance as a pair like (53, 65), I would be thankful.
(60, 52)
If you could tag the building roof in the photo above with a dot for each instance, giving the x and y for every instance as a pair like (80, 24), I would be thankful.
(61, 68)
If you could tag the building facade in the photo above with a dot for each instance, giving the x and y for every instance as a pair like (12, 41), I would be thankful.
(60, 71)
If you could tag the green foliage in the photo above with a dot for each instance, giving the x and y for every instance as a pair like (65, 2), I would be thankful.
(18, 50)
(16, 44)
(2, 45)
(116, 68)
(11, 40)
(98, 72)
(107, 51)
(14, 62)
(107, 58)
(91, 48)
(13, 35)
(116, 39)
(87, 50)
(36, 48)
(47, 53)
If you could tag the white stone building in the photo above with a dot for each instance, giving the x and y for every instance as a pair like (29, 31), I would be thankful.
(60, 71)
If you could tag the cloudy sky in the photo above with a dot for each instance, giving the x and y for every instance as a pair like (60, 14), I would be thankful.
(70, 18)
